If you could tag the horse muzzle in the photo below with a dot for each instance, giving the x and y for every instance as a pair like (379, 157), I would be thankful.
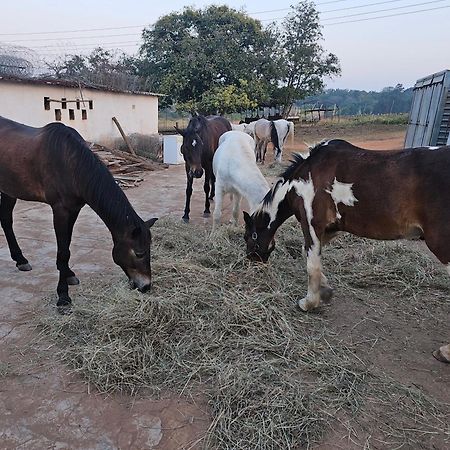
(197, 173)
(140, 282)
(256, 257)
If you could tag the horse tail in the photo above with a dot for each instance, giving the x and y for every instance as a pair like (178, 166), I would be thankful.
(274, 138)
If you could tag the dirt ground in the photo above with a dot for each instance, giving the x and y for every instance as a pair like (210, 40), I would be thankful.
(43, 405)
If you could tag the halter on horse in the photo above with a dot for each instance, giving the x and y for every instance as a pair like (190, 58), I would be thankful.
(378, 195)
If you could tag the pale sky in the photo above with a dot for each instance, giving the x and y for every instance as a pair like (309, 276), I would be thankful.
(374, 53)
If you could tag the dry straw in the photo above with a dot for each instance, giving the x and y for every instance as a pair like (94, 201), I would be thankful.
(214, 323)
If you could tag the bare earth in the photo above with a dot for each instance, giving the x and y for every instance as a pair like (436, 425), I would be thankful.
(44, 406)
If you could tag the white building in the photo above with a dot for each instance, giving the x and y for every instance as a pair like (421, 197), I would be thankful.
(89, 110)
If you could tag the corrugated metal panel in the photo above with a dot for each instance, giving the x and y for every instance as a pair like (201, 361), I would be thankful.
(428, 111)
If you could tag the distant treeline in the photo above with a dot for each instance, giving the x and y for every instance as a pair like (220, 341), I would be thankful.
(352, 102)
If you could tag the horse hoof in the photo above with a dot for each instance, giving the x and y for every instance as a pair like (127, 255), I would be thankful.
(302, 304)
(64, 305)
(185, 219)
(64, 310)
(24, 267)
(440, 357)
(326, 294)
(72, 281)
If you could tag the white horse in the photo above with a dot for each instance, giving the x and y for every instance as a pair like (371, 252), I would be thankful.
(283, 128)
(238, 127)
(262, 129)
(236, 172)
(275, 131)
(248, 128)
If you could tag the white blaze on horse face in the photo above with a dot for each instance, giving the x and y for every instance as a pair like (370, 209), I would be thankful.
(194, 142)
(342, 193)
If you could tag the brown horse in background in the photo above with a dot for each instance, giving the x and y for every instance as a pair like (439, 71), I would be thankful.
(200, 141)
(378, 195)
(53, 165)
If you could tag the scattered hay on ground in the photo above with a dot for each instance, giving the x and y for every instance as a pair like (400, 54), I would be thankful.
(274, 378)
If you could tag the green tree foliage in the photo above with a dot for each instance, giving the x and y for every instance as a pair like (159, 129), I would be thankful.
(353, 102)
(305, 63)
(195, 56)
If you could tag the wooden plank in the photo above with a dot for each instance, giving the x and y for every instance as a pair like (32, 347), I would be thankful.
(125, 138)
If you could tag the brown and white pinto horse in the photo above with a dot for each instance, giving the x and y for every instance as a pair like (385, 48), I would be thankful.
(200, 141)
(54, 165)
(378, 195)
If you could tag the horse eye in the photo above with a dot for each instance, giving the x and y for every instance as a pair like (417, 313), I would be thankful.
(139, 254)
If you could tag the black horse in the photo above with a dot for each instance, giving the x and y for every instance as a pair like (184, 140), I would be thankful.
(53, 165)
(200, 141)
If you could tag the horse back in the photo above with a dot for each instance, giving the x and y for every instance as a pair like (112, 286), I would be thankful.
(393, 193)
(217, 125)
(22, 157)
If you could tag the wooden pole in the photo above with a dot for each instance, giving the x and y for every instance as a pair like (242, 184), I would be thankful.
(125, 138)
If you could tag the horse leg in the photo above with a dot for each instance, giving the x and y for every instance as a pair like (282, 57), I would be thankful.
(63, 222)
(437, 243)
(278, 154)
(206, 188)
(7, 204)
(317, 283)
(443, 354)
(236, 207)
(213, 186)
(264, 150)
(326, 292)
(217, 207)
(187, 208)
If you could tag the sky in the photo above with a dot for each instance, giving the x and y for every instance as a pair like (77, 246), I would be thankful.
(379, 42)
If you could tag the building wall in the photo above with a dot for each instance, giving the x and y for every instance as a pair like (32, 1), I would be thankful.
(137, 113)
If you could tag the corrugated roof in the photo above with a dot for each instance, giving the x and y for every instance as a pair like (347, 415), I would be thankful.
(71, 84)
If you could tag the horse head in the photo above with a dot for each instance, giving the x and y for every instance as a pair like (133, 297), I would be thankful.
(193, 145)
(258, 236)
(131, 252)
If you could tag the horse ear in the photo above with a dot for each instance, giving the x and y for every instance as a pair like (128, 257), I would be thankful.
(247, 219)
(151, 222)
(179, 131)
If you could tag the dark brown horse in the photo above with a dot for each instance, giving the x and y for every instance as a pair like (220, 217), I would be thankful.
(378, 195)
(54, 165)
(200, 141)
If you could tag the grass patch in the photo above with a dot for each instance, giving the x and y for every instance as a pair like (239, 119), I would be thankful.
(274, 378)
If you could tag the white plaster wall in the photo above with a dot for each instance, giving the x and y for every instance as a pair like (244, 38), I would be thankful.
(137, 113)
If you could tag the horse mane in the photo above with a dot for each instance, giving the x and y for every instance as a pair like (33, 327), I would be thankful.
(297, 162)
(90, 178)
(196, 124)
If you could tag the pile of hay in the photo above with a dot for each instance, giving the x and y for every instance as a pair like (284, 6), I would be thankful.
(215, 323)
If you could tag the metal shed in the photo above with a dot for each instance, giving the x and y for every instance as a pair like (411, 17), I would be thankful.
(429, 118)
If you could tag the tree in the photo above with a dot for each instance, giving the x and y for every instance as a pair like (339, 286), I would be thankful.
(305, 62)
(101, 67)
(16, 61)
(195, 56)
